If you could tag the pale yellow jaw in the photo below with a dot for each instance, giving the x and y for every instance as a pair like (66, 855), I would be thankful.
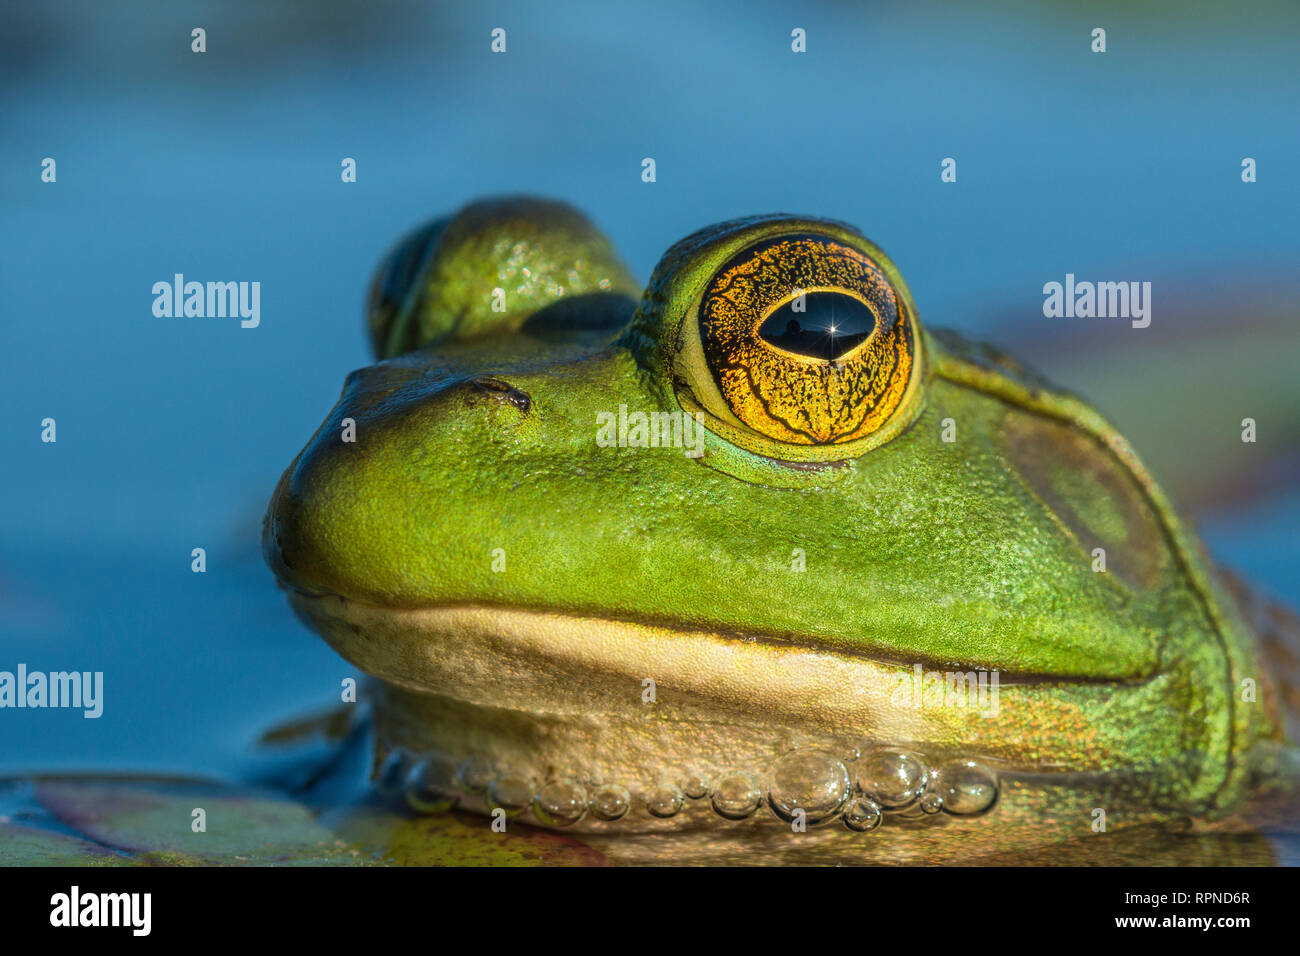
(548, 696)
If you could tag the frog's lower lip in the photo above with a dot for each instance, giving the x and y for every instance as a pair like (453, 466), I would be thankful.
(593, 679)
(550, 631)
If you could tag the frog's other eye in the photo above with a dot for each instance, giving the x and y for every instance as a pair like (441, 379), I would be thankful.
(396, 284)
(803, 339)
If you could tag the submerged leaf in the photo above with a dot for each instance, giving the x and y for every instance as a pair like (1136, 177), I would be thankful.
(24, 846)
(154, 820)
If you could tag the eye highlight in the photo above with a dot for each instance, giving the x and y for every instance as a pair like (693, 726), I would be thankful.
(821, 325)
(806, 341)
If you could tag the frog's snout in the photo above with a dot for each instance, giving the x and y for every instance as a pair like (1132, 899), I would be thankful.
(280, 537)
(356, 490)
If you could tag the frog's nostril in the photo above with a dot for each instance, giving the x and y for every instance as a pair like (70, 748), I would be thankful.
(503, 392)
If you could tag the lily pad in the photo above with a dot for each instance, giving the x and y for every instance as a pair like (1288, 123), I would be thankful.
(154, 821)
(150, 821)
(25, 846)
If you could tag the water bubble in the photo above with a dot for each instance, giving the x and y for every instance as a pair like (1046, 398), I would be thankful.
(560, 803)
(862, 814)
(968, 789)
(429, 787)
(665, 800)
(511, 792)
(475, 774)
(931, 802)
(812, 781)
(610, 802)
(736, 795)
(893, 778)
(391, 776)
(695, 786)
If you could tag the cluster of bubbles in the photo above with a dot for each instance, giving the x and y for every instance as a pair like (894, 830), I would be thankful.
(813, 786)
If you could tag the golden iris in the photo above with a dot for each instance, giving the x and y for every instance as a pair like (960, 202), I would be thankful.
(807, 340)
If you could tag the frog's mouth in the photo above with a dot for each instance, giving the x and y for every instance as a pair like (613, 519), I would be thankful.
(540, 695)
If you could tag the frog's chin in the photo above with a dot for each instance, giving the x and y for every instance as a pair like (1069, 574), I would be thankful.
(541, 695)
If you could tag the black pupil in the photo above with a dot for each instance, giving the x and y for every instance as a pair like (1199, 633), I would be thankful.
(831, 325)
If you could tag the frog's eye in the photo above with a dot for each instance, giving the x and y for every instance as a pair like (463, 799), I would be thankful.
(396, 284)
(803, 339)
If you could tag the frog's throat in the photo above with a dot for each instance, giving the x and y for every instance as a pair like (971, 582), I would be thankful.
(546, 695)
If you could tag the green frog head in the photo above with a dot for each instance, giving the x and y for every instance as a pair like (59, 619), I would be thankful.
(751, 535)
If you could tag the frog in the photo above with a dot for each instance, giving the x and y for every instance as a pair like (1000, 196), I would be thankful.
(747, 564)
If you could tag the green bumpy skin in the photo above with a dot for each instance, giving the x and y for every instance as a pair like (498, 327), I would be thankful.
(477, 432)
